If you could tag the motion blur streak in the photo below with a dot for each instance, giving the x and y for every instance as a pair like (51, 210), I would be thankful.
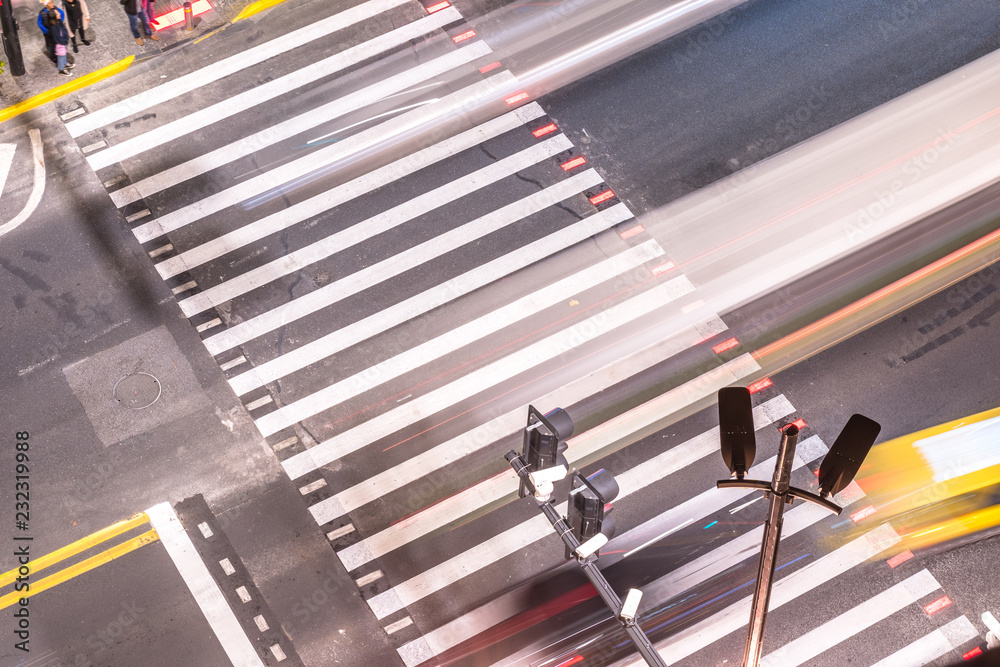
(879, 305)
(550, 75)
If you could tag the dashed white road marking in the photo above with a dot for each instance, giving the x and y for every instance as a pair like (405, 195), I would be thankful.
(199, 581)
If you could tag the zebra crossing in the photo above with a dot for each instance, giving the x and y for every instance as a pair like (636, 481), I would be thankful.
(386, 319)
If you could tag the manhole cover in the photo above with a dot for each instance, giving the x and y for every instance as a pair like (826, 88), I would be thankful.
(137, 391)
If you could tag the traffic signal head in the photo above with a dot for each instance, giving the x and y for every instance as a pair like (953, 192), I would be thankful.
(736, 431)
(847, 454)
(588, 508)
(544, 441)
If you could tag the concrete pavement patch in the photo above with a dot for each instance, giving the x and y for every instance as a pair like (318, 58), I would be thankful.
(154, 352)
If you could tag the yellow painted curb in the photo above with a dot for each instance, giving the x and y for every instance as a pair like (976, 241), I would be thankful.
(91, 563)
(256, 8)
(65, 89)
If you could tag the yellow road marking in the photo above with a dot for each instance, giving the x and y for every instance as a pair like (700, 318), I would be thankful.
(256, 8)
(214, 32)
(80, 545)
(65, 89)
(94, 561)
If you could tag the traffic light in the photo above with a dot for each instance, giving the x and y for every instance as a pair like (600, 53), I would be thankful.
(544, 442)
(589, 510)
(847, 454)
(736, 431)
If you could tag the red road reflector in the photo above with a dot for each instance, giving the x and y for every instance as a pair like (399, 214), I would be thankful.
(542, 131)
(632, 231)
(798, 423)
(438, 6)
(514, 99)
(468, 34)
(177, 15)
(601, 197)
(760, 385)
(972, 654)
(938, 604)
(575, 162)
(863, 513)
(662, 268)
(725, 345)
(489, 68)
(900, 558)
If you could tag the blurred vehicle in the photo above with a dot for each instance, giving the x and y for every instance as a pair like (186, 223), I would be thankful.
(939, 485)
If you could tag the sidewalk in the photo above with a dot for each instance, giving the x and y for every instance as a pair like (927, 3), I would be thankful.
(110, 41)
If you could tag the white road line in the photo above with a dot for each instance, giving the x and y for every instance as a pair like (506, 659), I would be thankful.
(480, 379)
(489, 491)
(424, 302)
(435, 348)
(357, 187)
(314, 161)
(426, 352)
(511, 540)
(853, 621)
(681, 337)
(696, 637)
(338, 242)
(37, 188)
(685, 577)
(586, 445)
(305, 76)
(203, 587)
(949, 637)
(469, 332)
(497, 488)
(223, 68)
(6, 160)
(398, 264)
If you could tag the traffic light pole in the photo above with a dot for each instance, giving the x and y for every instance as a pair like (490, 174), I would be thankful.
(769, 548)
(589, 566)
(11, 42)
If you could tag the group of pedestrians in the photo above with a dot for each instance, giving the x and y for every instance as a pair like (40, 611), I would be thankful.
(62, 26)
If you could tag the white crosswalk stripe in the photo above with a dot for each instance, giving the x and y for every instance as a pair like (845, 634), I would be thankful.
(933, 645)
(342, 194)
(408, 259)
(243, 60)
(383, 222)
(302, 77)
(853, 621)
(355, 308)
(482, 555)
(508, 424)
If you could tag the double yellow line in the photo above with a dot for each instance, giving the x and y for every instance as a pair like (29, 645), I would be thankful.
(78, 547)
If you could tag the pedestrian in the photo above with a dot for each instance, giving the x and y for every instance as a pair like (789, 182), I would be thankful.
(136, 14)
(43, 25)
(147, 6)
(60, 35)
(78, 19)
